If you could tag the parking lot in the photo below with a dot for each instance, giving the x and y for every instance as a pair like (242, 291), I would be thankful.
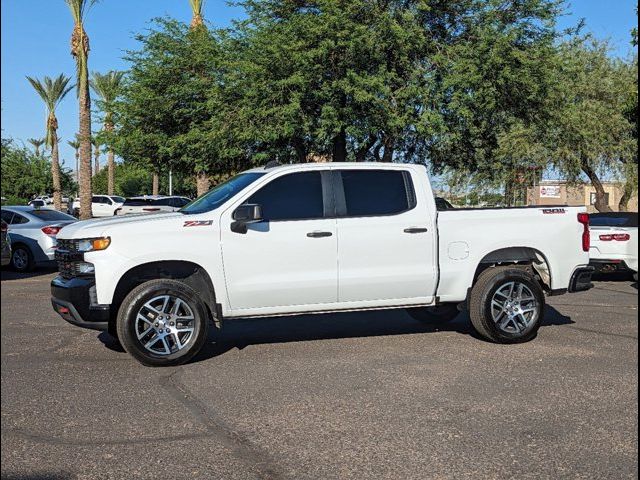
(354, 395)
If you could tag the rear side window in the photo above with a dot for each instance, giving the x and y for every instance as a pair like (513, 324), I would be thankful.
(18, 219)
(377, 192)
(7, 216)
(296, 196)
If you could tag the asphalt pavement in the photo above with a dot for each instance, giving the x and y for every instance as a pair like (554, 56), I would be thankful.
(372, 395)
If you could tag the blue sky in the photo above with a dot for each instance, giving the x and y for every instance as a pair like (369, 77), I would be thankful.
(35, 42)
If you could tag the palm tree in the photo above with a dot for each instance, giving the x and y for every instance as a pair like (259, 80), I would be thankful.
(75, 144)
(107, 87)
(52, 91)
(80, 52)
(37, 143)
(196, 9)
(197, 24)
(95, 143)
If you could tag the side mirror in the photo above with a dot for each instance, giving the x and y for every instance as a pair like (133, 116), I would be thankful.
(244, 215)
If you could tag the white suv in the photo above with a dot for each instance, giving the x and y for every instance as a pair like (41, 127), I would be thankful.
(101, 205)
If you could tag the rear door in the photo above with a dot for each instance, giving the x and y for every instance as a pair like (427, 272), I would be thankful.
(100, 207)
(386, 238)
(289, 259)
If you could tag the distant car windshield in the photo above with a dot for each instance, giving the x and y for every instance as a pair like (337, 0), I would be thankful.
(118, 199)
(614, 219)
(221, 193)
(50, 215)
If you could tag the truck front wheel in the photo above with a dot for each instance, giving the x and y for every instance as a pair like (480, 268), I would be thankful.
(162, 323)
(506, 305)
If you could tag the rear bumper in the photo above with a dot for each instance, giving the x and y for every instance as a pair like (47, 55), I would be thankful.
(74, 300)
(581, 280)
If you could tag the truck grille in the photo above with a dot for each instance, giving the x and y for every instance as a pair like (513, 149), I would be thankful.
(67, 256)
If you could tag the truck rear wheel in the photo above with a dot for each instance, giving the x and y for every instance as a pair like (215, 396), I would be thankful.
(162, 323)
(506, 305)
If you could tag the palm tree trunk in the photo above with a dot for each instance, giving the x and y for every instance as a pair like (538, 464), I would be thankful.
(55, 174)
(202, 183)
(77, 167)
(156, 182)
(85, 152)
(96, 156)
(111, 166)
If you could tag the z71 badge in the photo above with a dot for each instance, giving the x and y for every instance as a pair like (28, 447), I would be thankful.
(198, 223)
(553, 211)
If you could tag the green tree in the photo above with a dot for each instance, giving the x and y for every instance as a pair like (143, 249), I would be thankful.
(25, 174)
(108, 87)
(80, 52)
(590, 132)
(52, 91)
(164, 124)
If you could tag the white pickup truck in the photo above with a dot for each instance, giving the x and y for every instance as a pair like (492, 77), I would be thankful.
(315, 238)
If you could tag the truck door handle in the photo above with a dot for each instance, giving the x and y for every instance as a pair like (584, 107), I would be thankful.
(319, 234)
(415, 230)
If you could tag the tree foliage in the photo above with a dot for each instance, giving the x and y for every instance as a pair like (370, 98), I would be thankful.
(483, 88)
(25, 174)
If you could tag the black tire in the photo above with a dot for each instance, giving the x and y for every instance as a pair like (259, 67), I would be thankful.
(22, 259)
(438, 315)
(127, 321)
(480, 308)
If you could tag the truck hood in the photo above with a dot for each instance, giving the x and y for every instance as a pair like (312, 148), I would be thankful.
(102, 226)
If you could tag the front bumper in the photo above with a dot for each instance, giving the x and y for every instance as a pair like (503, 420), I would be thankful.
(74, 300)
(581, 280)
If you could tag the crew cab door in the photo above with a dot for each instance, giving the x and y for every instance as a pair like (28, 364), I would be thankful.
(287, 260)
(387, 243)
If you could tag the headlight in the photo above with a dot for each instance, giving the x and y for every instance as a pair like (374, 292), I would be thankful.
(93, 244)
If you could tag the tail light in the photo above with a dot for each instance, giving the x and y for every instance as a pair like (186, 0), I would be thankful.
(53, 231)
(618, 237)
(583, 218)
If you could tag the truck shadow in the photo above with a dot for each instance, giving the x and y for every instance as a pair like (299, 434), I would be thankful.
(241, 333)
(7, 274)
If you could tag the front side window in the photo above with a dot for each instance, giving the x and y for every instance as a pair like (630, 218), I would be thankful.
(376, 192)
(297, 196)
(220, 194)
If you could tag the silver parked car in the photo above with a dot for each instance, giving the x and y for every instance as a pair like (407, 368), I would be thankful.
(33, 234)
(152, 204)
(6, 244)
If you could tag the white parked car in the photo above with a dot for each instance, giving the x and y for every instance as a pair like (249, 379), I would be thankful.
(46, 199)
(153, 204)
(101, 205)
(315, 238)
(614, 241)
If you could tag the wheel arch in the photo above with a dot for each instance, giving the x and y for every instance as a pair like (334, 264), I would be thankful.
(190, 273)
(518, 256)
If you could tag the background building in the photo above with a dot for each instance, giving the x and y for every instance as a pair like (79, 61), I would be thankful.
(559, 192)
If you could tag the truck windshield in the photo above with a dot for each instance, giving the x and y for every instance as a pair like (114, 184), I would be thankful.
(221, 193)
